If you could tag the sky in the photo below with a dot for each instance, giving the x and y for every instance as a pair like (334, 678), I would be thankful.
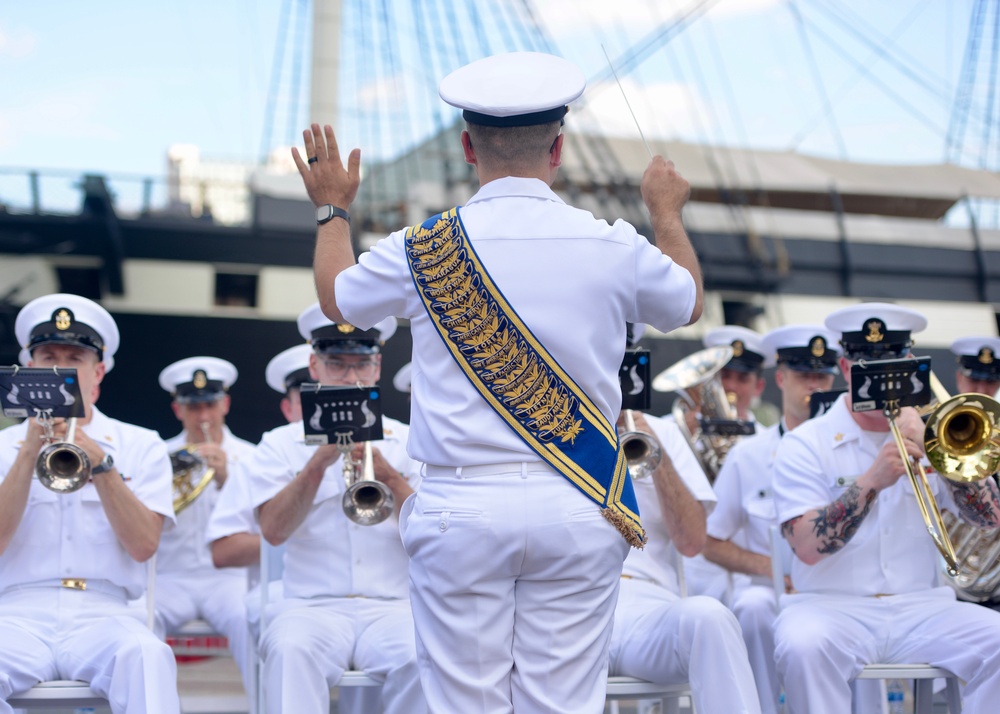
(107, 86)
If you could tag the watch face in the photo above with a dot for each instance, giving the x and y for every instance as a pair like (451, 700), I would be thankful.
(323, 212)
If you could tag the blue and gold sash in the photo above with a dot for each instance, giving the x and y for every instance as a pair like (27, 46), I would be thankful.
(514, 373)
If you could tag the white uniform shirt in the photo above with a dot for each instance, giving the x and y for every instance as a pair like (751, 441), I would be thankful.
(68, 535)
(657, 561)
(891, 552)
(745, 512)
(233, 512)
(184, 547)
(574, 280)
(328, 554)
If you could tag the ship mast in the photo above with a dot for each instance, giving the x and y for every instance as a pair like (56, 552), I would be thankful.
(323, 105)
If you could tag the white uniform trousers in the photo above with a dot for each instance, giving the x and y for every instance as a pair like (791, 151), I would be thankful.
(514, 575)
(216, 596)
(665, 639)
(56, 633)
(308, 644)
(704, 577)
(756, 610)
(823, 641)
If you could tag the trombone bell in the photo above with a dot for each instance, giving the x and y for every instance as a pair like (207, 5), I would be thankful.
(962, 439)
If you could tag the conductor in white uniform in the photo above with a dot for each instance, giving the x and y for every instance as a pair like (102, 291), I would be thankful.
(70, 562)
(518, 305)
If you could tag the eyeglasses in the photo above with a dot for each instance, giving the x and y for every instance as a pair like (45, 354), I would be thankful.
(339, 369)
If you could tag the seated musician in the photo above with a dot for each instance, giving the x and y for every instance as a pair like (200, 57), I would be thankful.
(70, 562)
(345, 602)
(739, 526)
(866, 572)
(188, 586)
(659, 635)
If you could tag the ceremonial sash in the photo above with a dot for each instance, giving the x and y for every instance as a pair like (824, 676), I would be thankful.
(514, 373)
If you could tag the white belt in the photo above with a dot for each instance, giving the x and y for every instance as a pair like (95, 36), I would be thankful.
(101, 586)
(511, 467)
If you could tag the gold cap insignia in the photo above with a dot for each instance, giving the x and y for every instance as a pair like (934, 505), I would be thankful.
(200, 379)
(875, 328)
(817, 346)
(63, 318)
(345, 329)
(986, 356)
(737, 348)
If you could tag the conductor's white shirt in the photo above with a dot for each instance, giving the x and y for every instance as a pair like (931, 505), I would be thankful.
(891, 553)
(529, 240)
(329, 555)
(68, 535)
(184, 547)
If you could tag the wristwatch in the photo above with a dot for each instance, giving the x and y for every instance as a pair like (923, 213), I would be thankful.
(107, 463)
(327, 212)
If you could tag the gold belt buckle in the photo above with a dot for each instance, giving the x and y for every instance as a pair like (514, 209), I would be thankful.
(74, 583)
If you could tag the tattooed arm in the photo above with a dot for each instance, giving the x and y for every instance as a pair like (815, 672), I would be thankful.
(978, 503)
(824, 531)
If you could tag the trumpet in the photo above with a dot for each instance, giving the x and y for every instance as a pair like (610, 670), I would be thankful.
(62, 466)
(366, 501)
(642, 451)
(961, 438)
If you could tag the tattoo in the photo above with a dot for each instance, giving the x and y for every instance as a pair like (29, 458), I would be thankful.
(976, 502)
(836, 524)
(788, 530)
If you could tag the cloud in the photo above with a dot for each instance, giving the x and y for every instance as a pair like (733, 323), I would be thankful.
(666, 110)
(18, 43)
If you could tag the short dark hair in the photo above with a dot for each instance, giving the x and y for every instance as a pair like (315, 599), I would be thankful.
(512, 147)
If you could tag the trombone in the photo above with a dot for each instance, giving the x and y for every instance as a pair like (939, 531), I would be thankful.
(961, 439)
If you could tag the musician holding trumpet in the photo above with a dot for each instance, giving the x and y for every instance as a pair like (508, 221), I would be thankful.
(345, 602)
(206, 454)
(71, 561)
(866, 572)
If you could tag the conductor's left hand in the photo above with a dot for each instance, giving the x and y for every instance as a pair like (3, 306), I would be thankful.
(326, 180)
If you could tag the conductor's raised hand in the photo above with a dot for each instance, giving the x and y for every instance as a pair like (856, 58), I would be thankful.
(664, 190)
(323, 173)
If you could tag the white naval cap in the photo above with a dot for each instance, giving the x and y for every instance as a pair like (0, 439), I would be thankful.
(875, 330)
(749, 354)
(289, 368)
(65, 319)
(402, 380)
(514, 89)
(328, 337)
(198, 379)
(978, 357)
(803, 348)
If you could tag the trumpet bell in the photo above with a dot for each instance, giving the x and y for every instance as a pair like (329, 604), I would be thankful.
(368, 503)
(962, 438)
(63, 467)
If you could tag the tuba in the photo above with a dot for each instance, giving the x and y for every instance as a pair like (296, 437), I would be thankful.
(641, 450)
(191, 474)
(366, 501)
(702, 398)
(62, 466)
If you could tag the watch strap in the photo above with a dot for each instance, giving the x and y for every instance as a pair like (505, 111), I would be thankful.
(333, 212)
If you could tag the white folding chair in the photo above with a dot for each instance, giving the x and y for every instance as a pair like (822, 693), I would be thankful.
(923, 675)
(671, 696)
(68, 695)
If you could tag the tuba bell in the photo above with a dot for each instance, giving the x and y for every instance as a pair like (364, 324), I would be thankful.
(366, 501)
(641, 450)
(62, 466)
(191, 474)
(704, 401)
